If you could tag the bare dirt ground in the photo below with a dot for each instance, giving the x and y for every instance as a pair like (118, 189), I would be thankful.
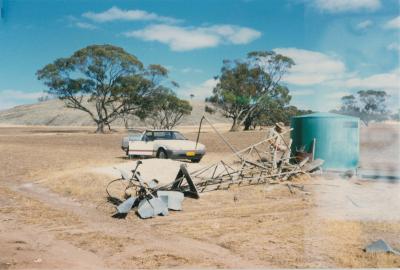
(54, 214)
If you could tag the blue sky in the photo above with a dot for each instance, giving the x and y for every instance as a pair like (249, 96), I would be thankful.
(339, 46)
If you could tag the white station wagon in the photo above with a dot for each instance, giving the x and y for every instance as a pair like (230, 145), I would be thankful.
(163, 144)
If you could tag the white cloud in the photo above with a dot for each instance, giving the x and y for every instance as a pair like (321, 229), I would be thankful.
(12, 98)
(394, 47)
(311, 67)
(364, 25)
(177, 38)
(84, 25)
(389, 82)
(300, 93)
(117, 14)
(339, 6)
(324, 72)
(190, 38)
(200, 91)
(75, 22)
(393, 24)
(234, 34)
(191, 70)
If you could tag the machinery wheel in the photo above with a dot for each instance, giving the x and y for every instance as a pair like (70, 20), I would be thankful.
(162, 154)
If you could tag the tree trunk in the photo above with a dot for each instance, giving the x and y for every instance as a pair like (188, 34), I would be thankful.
(248, 123)
(249, 114)
(126, 124)
(109, 127)
(235, 125)
(100, 127)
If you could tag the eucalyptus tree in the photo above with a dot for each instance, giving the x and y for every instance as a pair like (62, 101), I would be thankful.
(103, 81)
(368, 105)
(244, 84)
(167, 110)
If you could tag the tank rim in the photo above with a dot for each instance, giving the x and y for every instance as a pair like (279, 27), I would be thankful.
(326, 115)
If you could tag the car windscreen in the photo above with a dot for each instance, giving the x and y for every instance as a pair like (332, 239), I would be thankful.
(178, 136)
(163, 135)
(168, 135)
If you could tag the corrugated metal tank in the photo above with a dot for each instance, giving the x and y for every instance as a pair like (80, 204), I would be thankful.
(337, 138)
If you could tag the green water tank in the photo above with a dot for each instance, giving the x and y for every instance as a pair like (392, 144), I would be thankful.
(337, 138)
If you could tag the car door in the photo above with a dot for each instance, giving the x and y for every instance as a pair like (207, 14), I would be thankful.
(144, 147)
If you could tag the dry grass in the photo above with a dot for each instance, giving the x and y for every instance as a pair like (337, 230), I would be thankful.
(346, 240)
(32, 211)
(84, 186)
(260, 225)
(98, 242)
(151, 259)
(264, 226)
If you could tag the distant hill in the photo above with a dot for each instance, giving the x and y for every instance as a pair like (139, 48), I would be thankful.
(54, 113)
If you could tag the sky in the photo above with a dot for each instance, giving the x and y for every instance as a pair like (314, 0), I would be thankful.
(339, 46)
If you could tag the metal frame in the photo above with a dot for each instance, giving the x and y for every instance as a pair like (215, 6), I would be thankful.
(259, 163)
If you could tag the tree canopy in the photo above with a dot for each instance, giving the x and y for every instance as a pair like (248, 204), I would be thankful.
(167, 110)
(104, 81)
(368, 105)
(246, 84)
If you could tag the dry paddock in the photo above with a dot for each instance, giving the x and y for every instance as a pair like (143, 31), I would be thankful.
(54, 214)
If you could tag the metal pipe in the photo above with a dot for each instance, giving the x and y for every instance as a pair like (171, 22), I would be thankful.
(234, 150)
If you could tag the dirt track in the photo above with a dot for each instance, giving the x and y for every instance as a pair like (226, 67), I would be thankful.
(71, 227)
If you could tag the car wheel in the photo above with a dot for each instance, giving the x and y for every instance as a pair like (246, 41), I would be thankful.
(196, 160)
(162, 154)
